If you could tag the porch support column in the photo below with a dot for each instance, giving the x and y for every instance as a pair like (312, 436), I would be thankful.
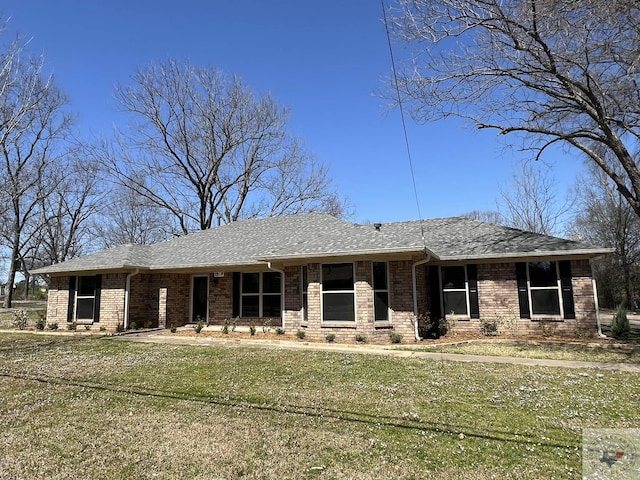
(162, 307)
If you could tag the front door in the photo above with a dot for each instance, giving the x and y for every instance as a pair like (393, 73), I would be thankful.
(200, 299)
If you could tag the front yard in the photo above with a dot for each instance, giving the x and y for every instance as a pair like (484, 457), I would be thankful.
(86, 407)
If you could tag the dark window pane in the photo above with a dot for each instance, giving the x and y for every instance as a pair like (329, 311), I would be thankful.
(453, 277)
(455, 302)
(250, 305)
(271, 306)
(543, 274)
(381, 306)
(338, 307)
(305, 278)
(87, 286)
(84, 309)
(250, 282)
(379, 275)
(337, 276)
(305, 305)
(271, 282)
(545, 302)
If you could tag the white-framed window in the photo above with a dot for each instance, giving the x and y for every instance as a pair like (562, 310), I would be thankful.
(545, 294)
(338, 292)
(380, 273)
(261, 295)
(305, 296)
(85, 307)
(455, 290)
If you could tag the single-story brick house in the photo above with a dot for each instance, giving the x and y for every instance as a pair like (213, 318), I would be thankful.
(326, 275)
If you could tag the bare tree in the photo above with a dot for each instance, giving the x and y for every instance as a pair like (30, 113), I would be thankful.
(127, 217)
(605, 218)
(488, 216)
(206, 149)
(32, 120)
(531, 200)
(555, 71)
(63, 226)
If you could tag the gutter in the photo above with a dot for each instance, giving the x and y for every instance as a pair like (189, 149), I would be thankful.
(127, 293)
(415, 294)
(595, 298)
(281, 272)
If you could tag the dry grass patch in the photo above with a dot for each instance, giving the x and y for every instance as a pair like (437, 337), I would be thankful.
(587, 352)
(98, 408)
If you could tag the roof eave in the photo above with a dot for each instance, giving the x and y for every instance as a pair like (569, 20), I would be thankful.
(585, 253)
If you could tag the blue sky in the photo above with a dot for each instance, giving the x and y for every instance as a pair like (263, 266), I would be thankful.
(323, 59)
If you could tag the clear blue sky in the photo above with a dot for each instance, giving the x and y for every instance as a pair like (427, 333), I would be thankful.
(323, 59)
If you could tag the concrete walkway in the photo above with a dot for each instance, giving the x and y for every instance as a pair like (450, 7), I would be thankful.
(159, 336)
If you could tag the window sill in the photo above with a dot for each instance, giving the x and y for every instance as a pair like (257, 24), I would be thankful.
(346, 324)
(84, 322)
(383, 325)
(547, 319)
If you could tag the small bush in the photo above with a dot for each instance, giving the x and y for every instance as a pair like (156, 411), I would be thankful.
(330, 338)
(72, 326)
(280, 331)
(234, 324)
(87, 327)
(620, 327)
(266, 326)
(301, 334)
(489, 327)
(133, 326)
(198, 327)
(103, 328)
(360, 338)
(20, 319)
(225, 327)
(41, 323)
(120, 328)
(252, 330)
(53, 326)
(173, 329)
(395, 337)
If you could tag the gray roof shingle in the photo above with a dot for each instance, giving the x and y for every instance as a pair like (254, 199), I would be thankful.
(318, 235)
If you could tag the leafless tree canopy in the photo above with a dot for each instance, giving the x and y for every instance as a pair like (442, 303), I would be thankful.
(556, 71)
(32, 121)
(206, 149)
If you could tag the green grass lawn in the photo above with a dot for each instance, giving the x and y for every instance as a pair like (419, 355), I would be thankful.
(85, 407)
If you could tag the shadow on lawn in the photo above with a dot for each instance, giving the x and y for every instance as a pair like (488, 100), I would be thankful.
(313, 411)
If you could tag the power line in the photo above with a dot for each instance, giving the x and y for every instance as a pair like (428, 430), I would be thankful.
(402, 118)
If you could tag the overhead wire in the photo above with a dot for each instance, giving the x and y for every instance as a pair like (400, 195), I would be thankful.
(402, 118)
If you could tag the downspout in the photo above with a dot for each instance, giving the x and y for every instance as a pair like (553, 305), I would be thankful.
(415, 294)
(127, 292)
(281, 272)
(595, 298)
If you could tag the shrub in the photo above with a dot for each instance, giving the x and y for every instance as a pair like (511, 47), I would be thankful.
(620, 327)
(280, 331)
(360, 338)
(20, 319)
(133, 326)
(103, 328)
(198, 327)
(395, 337)
(489, 327)
(252, 330)
(120, 328)
(173, 329)
(87, 327)
(41, 323)
(301, 334)
(234, 324)
(72, 326)
(266, 325)
(330, 338)
(225, 326)
(53, 326)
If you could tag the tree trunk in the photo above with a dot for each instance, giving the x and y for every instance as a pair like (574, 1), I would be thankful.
(8, 299)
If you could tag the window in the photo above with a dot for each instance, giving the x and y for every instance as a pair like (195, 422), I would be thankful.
(87, 298)
(338, 293)
(454, 290)
(544, 288)
(261, 295)
(305, 297)
(380, 291)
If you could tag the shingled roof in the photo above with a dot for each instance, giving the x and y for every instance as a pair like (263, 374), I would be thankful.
(317, 235)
